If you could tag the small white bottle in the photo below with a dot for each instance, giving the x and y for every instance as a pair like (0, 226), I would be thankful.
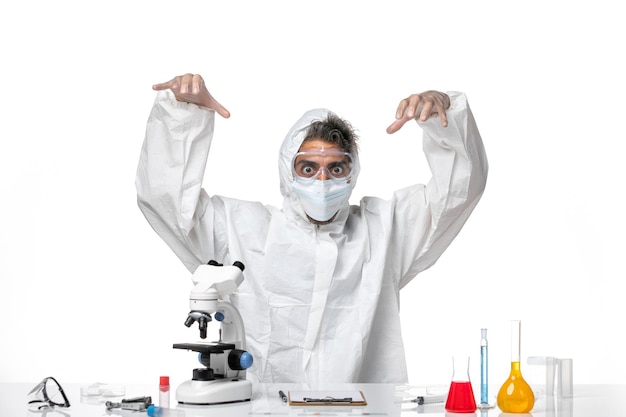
(164, 391)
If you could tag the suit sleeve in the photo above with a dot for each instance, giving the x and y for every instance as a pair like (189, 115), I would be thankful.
(428, 218)
(170, 173)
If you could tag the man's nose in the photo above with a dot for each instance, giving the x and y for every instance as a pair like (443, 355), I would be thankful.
(323, 175)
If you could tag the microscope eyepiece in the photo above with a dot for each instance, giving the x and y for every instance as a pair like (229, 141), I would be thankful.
(238, 264)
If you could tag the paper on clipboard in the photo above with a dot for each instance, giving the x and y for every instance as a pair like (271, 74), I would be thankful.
(355, 397)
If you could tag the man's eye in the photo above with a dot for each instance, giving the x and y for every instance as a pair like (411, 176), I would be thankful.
(337, 170)
(308, 170)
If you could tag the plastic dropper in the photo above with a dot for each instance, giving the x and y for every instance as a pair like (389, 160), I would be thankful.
(154, 411)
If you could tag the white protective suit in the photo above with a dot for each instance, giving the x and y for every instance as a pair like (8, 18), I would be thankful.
(320, 303)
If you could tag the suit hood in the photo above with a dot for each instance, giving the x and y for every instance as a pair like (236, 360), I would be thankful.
(289, 148)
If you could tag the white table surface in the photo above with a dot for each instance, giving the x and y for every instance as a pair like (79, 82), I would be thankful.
(382, 400)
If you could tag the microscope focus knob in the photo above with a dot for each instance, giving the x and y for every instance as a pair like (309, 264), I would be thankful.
(203, 374)
(239, 360)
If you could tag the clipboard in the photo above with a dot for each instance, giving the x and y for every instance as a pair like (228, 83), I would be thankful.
(306, 398)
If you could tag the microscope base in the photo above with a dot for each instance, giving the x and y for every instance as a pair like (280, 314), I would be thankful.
(217, 391)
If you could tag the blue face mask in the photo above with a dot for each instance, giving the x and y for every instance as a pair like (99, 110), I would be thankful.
(321, 200)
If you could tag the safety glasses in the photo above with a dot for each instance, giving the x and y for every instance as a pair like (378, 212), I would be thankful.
(48, 393)
(322, 165)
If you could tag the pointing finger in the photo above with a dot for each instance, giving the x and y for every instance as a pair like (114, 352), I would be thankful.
(397, 125)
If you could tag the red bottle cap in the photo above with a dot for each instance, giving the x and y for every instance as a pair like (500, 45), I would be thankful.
(164, 380)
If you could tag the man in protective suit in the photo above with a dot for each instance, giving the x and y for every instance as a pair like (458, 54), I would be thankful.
(320, 298)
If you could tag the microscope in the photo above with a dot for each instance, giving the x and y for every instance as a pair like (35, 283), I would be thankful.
(222, 379)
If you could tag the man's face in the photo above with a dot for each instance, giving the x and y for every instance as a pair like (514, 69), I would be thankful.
(317, 159)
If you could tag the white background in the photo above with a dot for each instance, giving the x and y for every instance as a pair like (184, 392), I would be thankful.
(88, 292)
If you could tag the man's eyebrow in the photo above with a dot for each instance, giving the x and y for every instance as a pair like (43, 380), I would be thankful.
(304, 160)
(340, 161)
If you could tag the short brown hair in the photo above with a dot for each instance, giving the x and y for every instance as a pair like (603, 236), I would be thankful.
(335, 130)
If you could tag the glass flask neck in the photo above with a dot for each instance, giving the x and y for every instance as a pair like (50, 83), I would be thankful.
(515, 341)
(516, 368)
(460, 368)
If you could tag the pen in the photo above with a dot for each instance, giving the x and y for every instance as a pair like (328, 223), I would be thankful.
(430, 399)
(282, 395)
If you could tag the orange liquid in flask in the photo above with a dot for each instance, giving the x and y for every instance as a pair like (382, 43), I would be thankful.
(515, 395)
